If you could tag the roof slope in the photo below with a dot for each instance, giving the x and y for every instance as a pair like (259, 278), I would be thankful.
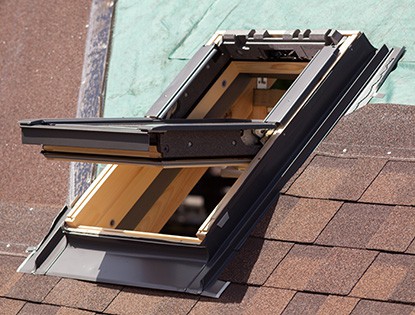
(341, 240)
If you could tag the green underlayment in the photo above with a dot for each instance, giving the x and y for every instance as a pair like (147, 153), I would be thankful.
(152, 40)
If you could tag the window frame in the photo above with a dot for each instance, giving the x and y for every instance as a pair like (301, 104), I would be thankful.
(337, 73)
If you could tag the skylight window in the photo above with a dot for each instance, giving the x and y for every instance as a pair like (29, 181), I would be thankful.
(250, 106)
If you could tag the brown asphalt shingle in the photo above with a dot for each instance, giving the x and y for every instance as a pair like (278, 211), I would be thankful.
(337, 305)
(394, 185)
(31, 309)
(83, 295)
(411, 248)
(390, 278)
(321, 269)
(8, 275)
(305, 303)
(42, 46)
(297, 219)
(365, 307)
(238, 299)
(255, 261)
(18, 217)
(375, 130)
(140, 301)
(336, 178)
(10, 307)
(361, 225)
(43, 309)
(32, 288)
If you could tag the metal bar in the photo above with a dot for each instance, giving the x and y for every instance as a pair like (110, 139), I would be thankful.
(378, 78)
(173, 163)
(187, 139)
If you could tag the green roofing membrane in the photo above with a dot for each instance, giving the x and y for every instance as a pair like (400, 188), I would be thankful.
(152, 40)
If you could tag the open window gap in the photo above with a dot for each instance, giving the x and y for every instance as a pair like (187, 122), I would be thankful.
(174, 204)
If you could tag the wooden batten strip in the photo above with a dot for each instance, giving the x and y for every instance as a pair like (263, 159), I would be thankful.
(215, 92)
(170, 199)
(259, 112)
(269, 67)
(267, 98)
(242, 107)
(112, 194)
(136, 234)
(131, 193)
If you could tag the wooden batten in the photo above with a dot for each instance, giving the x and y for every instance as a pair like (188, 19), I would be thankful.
(170, 199)
(242, 107)
(112, 195)
(215, 92)
(267, 98)
(85, 229)
(269, 67)
(259, 112)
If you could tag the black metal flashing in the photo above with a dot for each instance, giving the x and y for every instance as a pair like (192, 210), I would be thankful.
(341, 67)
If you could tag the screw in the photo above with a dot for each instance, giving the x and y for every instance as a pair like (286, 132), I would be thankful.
(234, 143)
(112, 223)
(189, 144)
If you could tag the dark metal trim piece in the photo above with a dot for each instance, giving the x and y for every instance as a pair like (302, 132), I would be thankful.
(394, 55)
(171, 163)
(174, 139)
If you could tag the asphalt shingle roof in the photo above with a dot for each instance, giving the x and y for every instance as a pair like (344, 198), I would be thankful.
(341, 239)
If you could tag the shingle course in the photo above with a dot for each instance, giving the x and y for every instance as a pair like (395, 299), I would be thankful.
(255, 261)
(365, 307)
(306, 303)
(297, 219)
(10, 307)
(370, 226)
(83, 295)
(136, 301)
(328, 177)
(391, 278)
(238, 299)
(394, 185)
(321, 269)
(32, 288)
